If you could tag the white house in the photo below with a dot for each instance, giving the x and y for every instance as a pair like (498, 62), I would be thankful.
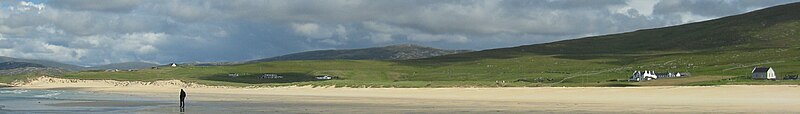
(764, 73)
(326, 77)
(643, 75)
(112, 70)
(173, 65)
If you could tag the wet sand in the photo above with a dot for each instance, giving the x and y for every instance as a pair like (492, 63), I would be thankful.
(107, 104)
(663, 99)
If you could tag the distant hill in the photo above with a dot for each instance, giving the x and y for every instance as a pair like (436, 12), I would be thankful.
(44, 63)
(211, 63)
(125, 65)
(769, 28)
(14, 65)
(37, 71)
(12, 68)
(393, 52)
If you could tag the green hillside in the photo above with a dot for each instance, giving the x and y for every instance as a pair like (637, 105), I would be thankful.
(720, 51)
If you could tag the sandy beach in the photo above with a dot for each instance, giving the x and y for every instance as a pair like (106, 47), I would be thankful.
(664, 99)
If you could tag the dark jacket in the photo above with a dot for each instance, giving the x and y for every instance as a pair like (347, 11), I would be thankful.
(183, 95)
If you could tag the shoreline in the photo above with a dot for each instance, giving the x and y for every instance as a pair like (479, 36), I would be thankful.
(666, 99)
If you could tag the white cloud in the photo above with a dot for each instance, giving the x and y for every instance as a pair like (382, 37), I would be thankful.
(35, 49)
(49, 30)
(141, 43)
(309, 30)
(28, 6)
(333, 35)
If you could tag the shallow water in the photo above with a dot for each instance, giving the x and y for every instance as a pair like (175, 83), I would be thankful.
(67, 101)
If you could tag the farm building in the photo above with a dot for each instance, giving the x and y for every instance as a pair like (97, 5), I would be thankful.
(112, 70)
(671, 75)
(643, 75)
(665, 75)
(652, 75)
(271, 76)
(763, 73)
(233, 75)
(326, 77)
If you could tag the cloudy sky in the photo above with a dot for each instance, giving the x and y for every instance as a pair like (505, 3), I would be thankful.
(94, 32)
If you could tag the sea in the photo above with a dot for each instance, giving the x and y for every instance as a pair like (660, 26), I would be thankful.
(23, 101)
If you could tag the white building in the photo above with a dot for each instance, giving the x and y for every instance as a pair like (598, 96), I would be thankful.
(233, 75)
(326, 77)
(643, 75)
(112, 70)
(271, 76)
(652, 75)
(173, 65)
(764, 73)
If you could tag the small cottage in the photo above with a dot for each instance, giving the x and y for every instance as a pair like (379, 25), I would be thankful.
(763, 73)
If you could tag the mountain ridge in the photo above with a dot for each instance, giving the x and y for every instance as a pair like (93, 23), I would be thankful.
(14, 65)
(124, 65)
(743, 31)
(391, 52)
(44, 63)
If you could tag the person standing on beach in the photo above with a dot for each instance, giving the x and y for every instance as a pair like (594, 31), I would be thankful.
(183, 96)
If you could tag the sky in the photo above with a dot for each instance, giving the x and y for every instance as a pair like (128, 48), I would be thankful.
(96, 32)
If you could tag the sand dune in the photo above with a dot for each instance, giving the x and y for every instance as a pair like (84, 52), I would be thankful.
(664, 99)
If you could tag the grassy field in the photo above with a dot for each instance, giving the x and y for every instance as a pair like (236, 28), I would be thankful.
(708, 68)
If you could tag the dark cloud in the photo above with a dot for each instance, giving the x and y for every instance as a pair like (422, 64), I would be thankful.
(91, 32)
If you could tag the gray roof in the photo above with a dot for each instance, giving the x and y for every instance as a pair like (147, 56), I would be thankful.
(761, 69)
